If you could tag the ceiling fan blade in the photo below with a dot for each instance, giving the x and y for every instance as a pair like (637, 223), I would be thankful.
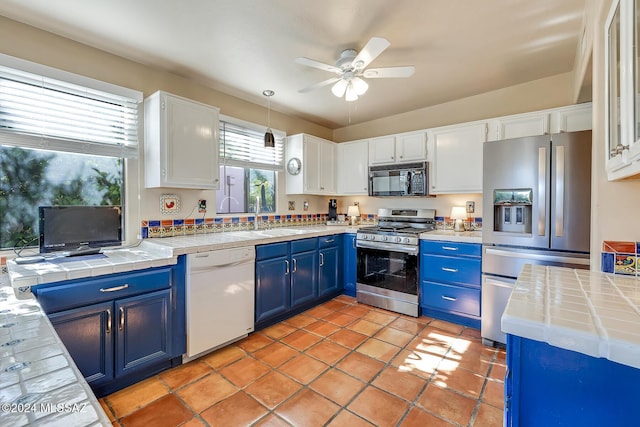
(374, 47)
(379, 73)
(315, 64)
(319, 85)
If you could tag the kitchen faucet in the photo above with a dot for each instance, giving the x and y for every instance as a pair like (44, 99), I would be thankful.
(255, 224)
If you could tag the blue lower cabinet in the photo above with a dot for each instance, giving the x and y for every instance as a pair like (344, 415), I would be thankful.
(549, 386)
(350, 264)
(87, 333)
(272, 288)
(294, 276)
(129, 326)
(304, 277)
(143, 334)
(450, 281)
(330, 273)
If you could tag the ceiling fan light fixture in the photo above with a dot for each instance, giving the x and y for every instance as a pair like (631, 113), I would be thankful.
(359, 85)
(351, 93)
(339, 88)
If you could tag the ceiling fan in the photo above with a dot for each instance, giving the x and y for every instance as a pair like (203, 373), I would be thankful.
(351, 68)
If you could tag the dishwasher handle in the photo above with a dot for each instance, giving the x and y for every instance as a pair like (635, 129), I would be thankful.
(229, 264)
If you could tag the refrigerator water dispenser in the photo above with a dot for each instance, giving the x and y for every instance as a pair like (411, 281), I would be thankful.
(512, 210)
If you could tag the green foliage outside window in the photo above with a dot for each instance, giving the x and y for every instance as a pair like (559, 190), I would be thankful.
(32, 178)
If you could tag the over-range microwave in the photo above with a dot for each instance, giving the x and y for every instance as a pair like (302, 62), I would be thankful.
(408, 179)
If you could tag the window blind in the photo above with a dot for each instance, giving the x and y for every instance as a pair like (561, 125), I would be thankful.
(40, 112)
(243, 146)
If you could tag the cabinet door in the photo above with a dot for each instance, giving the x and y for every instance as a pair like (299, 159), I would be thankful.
(519, 126)
(181, 143)
(350, 264)
(87, 333)
(272, 288)
(327, 168)
(143, 330)
(328, 275)
(411, 147)
(572, 119)
(457, 159)
(304, 277)
(311, 168)
(382, 150)
(353, 168)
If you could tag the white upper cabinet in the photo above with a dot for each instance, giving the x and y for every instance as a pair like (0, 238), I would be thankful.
(317, 158)
(520, 125)
(353, 168)
(456, 158)
(572, 119)
(622, 91)
(565, 119)
(400, 148)
(180, 143)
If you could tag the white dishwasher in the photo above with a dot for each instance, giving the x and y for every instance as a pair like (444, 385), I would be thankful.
(220, 293)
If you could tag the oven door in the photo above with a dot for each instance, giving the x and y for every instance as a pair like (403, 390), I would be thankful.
(387, 276)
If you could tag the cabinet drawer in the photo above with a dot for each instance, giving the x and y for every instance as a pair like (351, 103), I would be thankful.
(304, 245)
(450, 248)
(451, 269)
(329, 241)
(272, 250)
(77, 293)
(450, 298)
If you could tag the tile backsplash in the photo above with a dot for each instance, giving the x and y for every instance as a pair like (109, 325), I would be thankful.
(621, 257)
(185, 227)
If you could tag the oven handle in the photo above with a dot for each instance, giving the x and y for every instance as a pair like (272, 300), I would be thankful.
(411, 250)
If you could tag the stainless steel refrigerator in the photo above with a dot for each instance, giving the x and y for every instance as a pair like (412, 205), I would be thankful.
(536, 210)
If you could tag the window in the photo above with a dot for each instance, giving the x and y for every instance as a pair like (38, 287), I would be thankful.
(248, 170)
(64, 139)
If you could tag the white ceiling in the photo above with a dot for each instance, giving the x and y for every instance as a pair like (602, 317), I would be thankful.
(459, 47)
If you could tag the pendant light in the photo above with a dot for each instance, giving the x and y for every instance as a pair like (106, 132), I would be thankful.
(269, 139)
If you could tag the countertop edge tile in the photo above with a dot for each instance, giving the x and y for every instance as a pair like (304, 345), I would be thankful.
(597, 339)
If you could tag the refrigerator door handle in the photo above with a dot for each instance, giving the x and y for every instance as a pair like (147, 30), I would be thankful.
(539, 257)
(559, 216)
(542, 191)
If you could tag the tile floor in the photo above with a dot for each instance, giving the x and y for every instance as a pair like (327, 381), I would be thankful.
(339, 364)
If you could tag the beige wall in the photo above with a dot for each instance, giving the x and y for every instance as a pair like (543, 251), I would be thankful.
(556, 91)
(614, 205)
(26, 42)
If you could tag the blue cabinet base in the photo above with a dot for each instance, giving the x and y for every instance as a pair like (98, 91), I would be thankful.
(550, 386)
(458, 318)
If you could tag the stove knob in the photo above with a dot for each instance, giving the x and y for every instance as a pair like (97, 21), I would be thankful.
(383, 238)
(399, 239)
(407, 240)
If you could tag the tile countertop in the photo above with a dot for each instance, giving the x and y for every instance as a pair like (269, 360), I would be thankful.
(39, 384)
(453, 236)
(154, 253)
(597, 314)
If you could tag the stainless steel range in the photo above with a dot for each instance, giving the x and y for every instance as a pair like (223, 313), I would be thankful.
(388, 261)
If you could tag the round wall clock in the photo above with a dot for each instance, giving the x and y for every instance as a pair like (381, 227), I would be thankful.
(294, 165)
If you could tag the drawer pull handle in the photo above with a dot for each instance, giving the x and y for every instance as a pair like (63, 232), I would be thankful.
(121, 319)
(329, 240)
(115, 288)
(444, 297)
(108, 321)
(450, 270)
(449, 248)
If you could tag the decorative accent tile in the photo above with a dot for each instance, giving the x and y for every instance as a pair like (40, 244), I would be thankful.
(620, 247)
(620, 257)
